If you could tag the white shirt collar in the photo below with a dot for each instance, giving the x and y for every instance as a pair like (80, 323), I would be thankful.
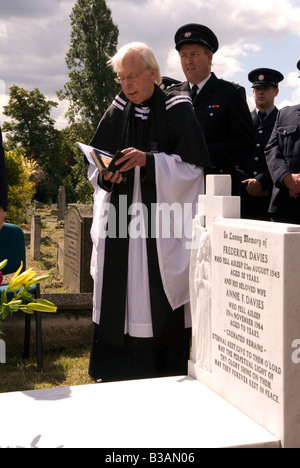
(268, 112)
(202, 84)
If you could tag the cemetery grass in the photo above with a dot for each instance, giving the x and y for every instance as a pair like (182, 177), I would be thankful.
(63, 367)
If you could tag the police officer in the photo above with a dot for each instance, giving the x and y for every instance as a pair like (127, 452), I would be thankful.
(220, 106)
(283, 160)
(255, 180)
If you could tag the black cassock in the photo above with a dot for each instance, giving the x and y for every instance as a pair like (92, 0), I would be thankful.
(165, 124)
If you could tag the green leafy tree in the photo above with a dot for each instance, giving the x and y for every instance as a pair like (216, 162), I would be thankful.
(21, 188)
(91, 87)
(31, 128)
(78, 188)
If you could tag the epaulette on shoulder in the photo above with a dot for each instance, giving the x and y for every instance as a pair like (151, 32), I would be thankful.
(230, 84)
(174, 86)
(120, 101)
(174, 97)
(234, 87)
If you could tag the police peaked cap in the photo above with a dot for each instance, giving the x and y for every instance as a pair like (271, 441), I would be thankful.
(196, 33)
(265, 77)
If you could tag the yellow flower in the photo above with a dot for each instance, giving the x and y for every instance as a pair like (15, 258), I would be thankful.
(21, 280)
(20, 285)
(3, 264)
(42, 305)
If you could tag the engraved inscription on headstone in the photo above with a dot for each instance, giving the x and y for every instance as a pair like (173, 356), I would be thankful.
(247, 344)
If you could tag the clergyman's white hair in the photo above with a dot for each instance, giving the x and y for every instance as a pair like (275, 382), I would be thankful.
(146, 53)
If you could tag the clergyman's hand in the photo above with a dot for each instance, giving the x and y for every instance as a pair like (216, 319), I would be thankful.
(113, 177)
(132, 158)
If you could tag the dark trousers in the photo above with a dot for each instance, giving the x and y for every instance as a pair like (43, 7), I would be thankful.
(138, 359)
(287, 219)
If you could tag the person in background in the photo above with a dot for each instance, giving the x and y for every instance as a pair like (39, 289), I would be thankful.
(283, 160)
(141, 297)
(220, 106)
(255, 181)
(3, 184)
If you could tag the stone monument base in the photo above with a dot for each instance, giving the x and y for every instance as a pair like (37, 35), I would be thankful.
(176, 413)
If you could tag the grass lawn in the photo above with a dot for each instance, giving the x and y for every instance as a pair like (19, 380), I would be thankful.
(63, 366)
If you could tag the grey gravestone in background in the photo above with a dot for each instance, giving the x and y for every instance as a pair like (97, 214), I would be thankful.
(35, 238)
(78, 249)
(61, 203)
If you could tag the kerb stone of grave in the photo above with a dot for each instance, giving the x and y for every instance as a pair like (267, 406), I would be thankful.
(246, 315)
(78, 249)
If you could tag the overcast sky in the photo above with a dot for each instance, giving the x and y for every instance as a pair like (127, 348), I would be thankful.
(34, 39)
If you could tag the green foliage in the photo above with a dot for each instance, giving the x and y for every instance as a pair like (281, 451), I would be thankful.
(78, 188)
(31, 126)
(94, 38)
(21, 189)
(32, 129)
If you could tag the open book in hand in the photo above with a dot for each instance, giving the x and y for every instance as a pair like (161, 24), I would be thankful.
(102, 159)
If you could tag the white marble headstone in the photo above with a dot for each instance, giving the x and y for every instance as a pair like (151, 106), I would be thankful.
(254, 320)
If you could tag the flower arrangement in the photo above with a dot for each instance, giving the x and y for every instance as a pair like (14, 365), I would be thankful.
(20, 285)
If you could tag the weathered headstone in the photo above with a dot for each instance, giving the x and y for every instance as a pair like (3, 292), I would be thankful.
(78, 249)
(61, 203)
(252, 304)
(35, 238)
(2, 352)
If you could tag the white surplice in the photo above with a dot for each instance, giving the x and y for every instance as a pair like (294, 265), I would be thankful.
(177, 183)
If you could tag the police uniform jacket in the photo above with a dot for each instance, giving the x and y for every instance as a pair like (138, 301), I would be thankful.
(255, 167)
(3, 182)
(283, 157)
(223, 113)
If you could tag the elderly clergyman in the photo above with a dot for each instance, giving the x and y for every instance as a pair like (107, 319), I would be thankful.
(141, 295)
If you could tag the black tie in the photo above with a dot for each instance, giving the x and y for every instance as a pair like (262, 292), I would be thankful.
(262, 116)
(194, 92)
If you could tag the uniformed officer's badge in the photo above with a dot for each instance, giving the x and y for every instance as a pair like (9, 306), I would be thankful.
(188, 34)
(261, 77)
